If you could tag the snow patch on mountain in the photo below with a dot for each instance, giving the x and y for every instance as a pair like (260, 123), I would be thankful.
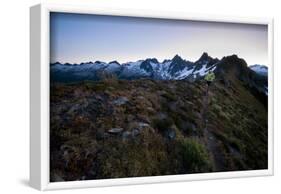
(132, 69)
(184, 74)
(176, 69)
(260, 69)
(113, 67)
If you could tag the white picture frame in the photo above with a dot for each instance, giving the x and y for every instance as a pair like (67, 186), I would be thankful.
(39, 96)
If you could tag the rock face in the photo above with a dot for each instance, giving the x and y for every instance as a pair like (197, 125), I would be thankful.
(115, 128)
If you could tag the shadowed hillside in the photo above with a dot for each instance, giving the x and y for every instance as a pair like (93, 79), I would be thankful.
(115, 128)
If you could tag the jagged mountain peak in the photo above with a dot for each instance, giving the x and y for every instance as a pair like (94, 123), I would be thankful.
(207, 60)
(98, 62)
(153, 60)
(233, 62)
(166, 60)
(114, 62)
(84, 63)
(55, 63)
(204, 57)
(177, 65)
(232, 65)
(146, 65)
(260, 66)
(177, 58)
(233, 58)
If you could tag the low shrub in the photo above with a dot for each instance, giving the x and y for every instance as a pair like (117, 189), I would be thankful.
(194, 156)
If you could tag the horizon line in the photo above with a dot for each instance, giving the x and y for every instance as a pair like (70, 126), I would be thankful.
(143, 59)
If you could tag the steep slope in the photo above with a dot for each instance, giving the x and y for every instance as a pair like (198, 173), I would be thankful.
(128, 128)
(231, 68)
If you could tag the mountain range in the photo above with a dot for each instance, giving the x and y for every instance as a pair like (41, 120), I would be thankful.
(176, 68)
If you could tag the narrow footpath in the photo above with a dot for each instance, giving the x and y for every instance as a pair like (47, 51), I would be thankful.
(210, 140)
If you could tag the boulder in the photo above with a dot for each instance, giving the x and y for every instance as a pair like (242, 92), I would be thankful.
(135, 132)
(143, 125)
(115, 130)
(120, 101)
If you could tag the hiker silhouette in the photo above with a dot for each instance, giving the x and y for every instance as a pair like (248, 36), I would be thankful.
(210, 77)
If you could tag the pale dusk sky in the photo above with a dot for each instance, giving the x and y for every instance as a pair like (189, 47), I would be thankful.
(77, 38)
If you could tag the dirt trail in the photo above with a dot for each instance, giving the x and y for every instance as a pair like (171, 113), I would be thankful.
(210, 140)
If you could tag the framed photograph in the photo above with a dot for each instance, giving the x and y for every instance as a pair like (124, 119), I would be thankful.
(124, 97)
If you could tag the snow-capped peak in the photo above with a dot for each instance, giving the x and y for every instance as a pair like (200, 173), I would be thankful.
(260, 69)
(176, 68)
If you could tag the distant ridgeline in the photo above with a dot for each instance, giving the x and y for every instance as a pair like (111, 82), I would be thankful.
(174, 69)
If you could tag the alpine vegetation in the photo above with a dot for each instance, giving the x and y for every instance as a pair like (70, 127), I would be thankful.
(151, 118)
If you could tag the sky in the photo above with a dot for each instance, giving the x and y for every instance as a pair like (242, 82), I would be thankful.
(76, 38)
